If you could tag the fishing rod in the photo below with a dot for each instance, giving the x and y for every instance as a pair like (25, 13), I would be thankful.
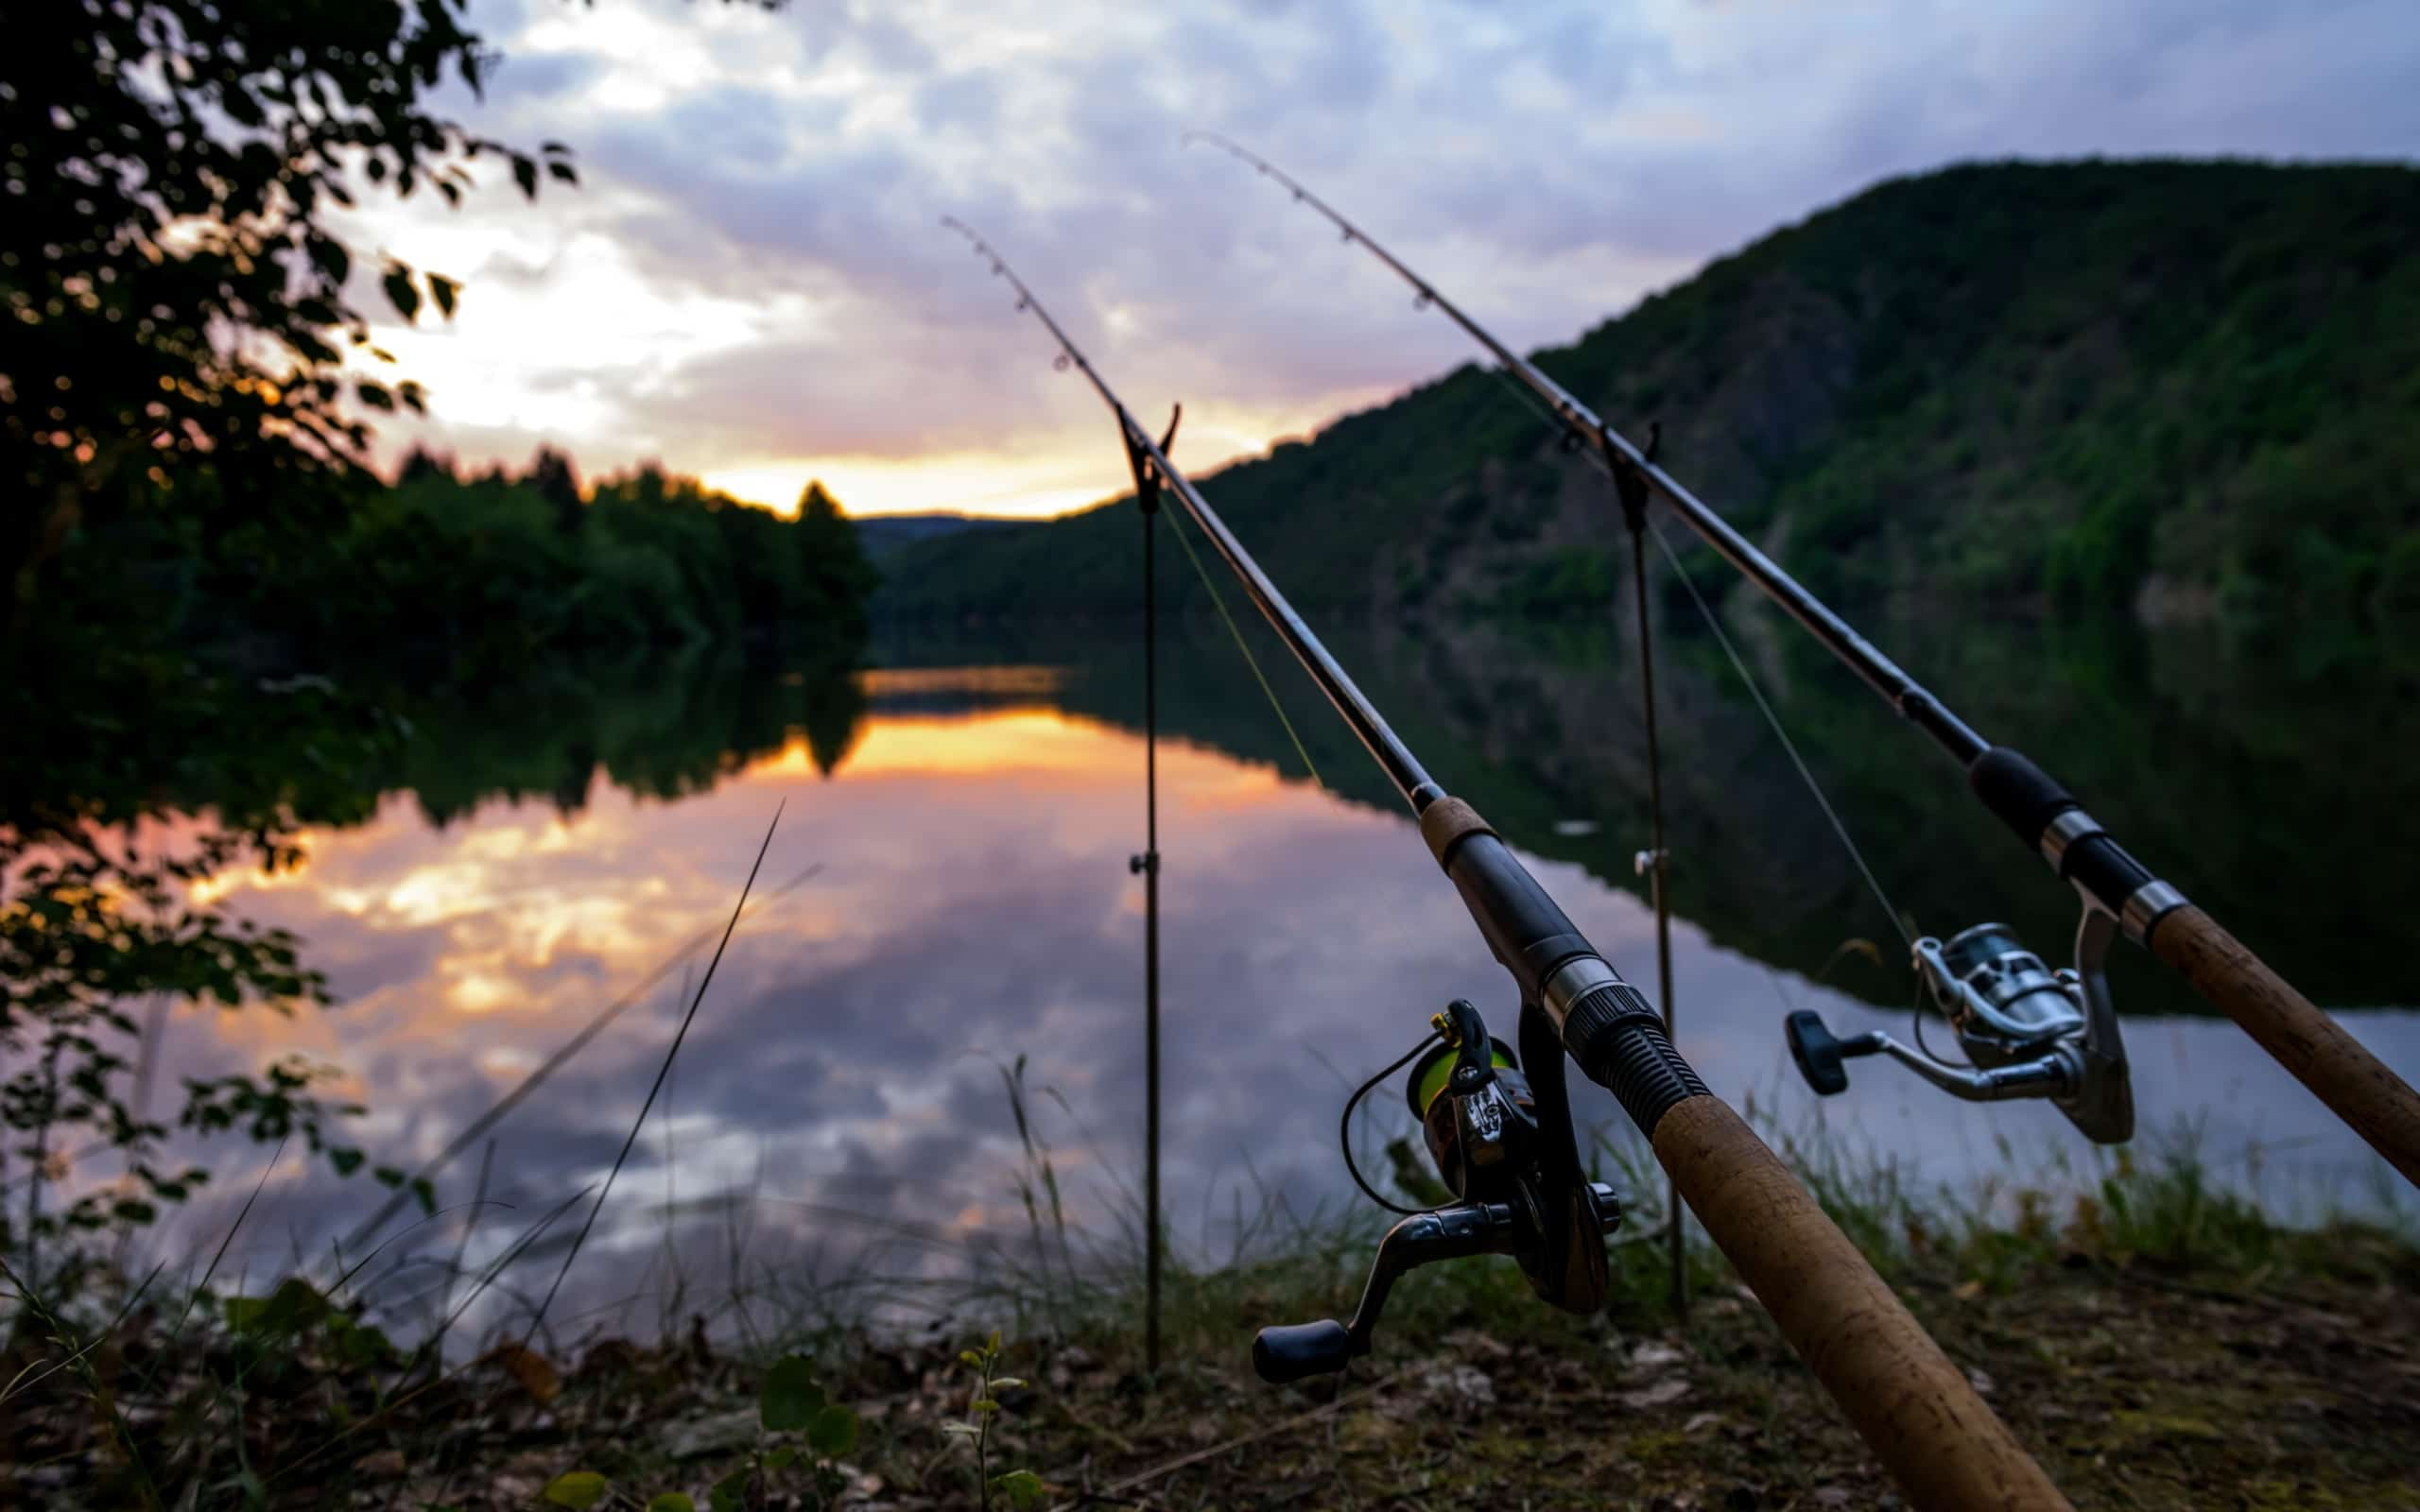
(1510, 1156)
(2029, 1031)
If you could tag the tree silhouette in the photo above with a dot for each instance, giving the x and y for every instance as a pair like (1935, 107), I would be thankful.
(832, 714)
(557, 481)
(420, 463)
(176, 297)
(834, 578)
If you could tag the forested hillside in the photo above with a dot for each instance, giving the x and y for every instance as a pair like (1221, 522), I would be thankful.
(2187, 388)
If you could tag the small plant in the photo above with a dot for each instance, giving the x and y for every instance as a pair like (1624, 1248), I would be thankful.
(791, 1403)
(1023, 1489)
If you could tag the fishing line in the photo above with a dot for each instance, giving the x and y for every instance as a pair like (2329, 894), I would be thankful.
(496, 1114)
(1250, 661)
(1814, 788)
(1739, 665)
(1344, 1126)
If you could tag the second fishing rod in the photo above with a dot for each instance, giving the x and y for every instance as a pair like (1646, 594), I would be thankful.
(2029, 1031)
(1915, 1408)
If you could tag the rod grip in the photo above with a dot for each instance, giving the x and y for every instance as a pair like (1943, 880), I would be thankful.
(1948, 1450)
(2356, 1085)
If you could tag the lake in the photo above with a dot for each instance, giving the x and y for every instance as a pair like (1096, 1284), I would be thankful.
(969, 806)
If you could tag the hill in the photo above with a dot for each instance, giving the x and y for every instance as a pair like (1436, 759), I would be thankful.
(884, 535)
(2184, 388)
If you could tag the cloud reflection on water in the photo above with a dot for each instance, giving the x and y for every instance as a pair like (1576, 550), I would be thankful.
(975, 904)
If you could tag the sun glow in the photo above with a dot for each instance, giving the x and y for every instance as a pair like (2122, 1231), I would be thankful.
(1019, 487)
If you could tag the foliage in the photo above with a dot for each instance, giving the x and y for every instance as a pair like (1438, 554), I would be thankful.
(100, 912)
(485, 577)
(2014, 386)
(177, 299)
(579, 1490)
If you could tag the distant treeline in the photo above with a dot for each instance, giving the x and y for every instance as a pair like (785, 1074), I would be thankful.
(489, 567)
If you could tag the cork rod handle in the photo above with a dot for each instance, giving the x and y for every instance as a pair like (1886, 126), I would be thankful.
(2355, 1084)
(1948, 1450)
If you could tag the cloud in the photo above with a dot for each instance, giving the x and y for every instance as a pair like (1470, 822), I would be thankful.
(1551, 163)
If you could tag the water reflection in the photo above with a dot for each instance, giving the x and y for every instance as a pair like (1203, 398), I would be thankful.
(975, 904)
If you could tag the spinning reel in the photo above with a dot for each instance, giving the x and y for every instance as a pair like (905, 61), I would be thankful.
(1504, 1148)
(2029, 1031)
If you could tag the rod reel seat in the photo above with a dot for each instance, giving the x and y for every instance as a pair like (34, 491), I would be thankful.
(2028, 1031)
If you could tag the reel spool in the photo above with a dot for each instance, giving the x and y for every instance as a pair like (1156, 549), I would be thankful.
(1471, 1134)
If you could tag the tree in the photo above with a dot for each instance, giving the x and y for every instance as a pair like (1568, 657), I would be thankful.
(175, 316)
(833, 576)
(419, 463)
(557, 481)
(174, 296)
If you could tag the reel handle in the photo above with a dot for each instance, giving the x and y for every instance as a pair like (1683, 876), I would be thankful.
(1289, 1351)
(1819, 1052)
(1284, 1353)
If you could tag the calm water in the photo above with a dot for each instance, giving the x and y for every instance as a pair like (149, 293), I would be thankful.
(973, 806)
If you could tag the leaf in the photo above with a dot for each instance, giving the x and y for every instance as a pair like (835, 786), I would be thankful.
(359, 1343)
(791, 1398)
(330, 257)
(833, 1433)
(442, 289)
(294, 1303)
(377, 397)
(672, 1502)
(345, 1159)
(400, 292)
(729, 1494)
(537, 1377)
(1007, 1383)
(575, 1489)
(524, 173)
(1022, 1488)
(562, 171)
(781, 1459)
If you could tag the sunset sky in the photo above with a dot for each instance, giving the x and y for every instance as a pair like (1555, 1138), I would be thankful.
(752, 283)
